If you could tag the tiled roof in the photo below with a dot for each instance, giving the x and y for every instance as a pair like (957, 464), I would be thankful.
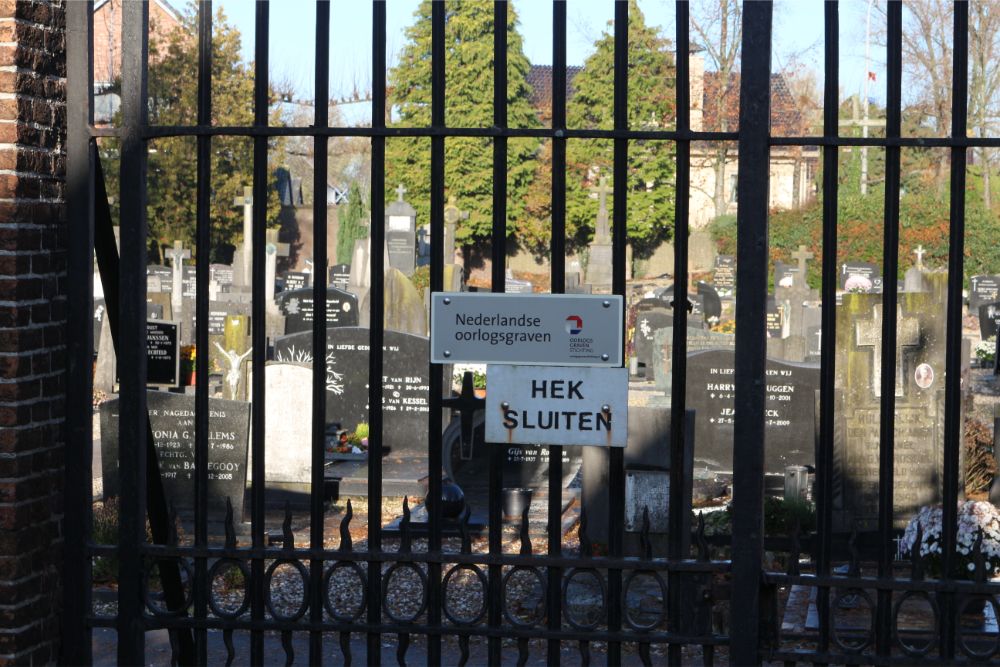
(786, 117)
(540, 80)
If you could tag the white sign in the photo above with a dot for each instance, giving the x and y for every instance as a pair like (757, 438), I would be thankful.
(399, 223)
(556, 405)
(527, 329)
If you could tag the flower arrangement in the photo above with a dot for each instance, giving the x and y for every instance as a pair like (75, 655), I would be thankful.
(727, 327)
(985, 350)
(858, 284)
(973, 516)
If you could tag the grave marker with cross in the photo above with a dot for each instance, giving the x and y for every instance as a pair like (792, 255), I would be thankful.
(868, 333)
(602, 233)
(802, 255)
(177, 254)
(920, 252)
(452, 214)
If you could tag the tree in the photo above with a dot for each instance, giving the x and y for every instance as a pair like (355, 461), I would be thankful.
(651, 105)
(469, 95)
(172, 162)
(352, 225)
(719, 26)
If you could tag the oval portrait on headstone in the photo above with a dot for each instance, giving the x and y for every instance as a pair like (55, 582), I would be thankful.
(924, 376)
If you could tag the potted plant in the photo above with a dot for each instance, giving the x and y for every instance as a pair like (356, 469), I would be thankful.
(975, 518)
(985, 351)
(349, 445)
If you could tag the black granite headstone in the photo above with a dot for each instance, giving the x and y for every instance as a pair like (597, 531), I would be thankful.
(984, 289)
(295, 280)
(790, 410)
(297, 307)
(989, 319)
(871, 273)
(647, 323)
(774, 321)
(172, 419)
(162, 353)
(724, 277)
(696, 302)
(406, 382)
(340, 276)
(711, 303)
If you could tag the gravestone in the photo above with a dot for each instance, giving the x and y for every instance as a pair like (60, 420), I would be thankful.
(340, 276)
(774, 318)
(724, 276)
(696, 304)
(452, 215)
(799, 312)
(177, 254)
(243, 258)
(171, 417)
(701, 251)
(400, 234)
(790, 409)
(163, 277)
(861, 277)
(913, 279)
(600, 257)
(295, 280)
(163, 357)
(989, 319)
(983, 289)
(695, 340)
(711, 303)
(298, 308)
(405, 402)
(222, 274)
(404, 309)
(288, 454)
(784, 274)
(189, 283)
(104, 372)
(648, 322)
(218, 311)
(918, 406)
(272, 251)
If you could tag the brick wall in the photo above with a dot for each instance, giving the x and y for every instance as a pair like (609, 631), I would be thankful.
(32, 325)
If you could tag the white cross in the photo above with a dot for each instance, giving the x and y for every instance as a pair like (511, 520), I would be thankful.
(400, 191)
(177, 254)
(919, 252)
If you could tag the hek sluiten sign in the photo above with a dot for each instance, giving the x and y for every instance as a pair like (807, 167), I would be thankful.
(557, 405)
(527, 329)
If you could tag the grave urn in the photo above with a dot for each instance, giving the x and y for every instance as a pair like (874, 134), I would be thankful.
(516, 500)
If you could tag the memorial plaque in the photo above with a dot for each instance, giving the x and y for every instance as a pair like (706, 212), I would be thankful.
(298, 308)
(162, 353)
(171, 417)
(724, 277)
(406, 383)
(296, 280)
(860, 276)
(984, 289)
(340, 276)
(989, 319)
(790, 410)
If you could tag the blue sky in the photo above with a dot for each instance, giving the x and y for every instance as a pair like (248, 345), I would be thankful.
(798, 36)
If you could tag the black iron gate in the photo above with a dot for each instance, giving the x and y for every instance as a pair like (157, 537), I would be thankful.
(692, 584)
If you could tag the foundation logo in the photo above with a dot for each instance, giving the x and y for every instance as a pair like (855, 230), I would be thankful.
(574, 325)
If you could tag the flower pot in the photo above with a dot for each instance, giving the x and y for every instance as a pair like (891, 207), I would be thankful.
(516, 500)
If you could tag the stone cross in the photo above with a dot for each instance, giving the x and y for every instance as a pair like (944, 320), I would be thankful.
(868, 333)
(272, 251)
(246, 201)
(400, 191)
(177, 254)
(602, 234)
(919, 252)
(802, 256)
(452, 214)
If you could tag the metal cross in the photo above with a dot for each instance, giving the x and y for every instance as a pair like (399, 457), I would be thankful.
(919, 252)
(467, 404)
(868, 333)
(400, 191)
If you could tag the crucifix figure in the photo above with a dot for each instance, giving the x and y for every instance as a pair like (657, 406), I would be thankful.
(272, 251)
(919, 252)
(177, 254)
(246, 201)
(452, 214)
(602, 234)
(802, 256)
(233, 375)
(400, 191)
(868, 333)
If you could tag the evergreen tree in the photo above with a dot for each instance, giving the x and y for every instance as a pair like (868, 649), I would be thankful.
(352, 225)
(469, 103)
(651, 105)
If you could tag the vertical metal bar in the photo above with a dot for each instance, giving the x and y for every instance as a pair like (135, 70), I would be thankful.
(321, 91)
(558, 262)
(498, 283)
(436, 285)
(678, 405)
(80, 157)
(890, 261)
(824, 459)
(132, 323)
(619, 239)
(259, 331)
(203, 230)
(751, 272)
(376, 333)
(953, 427)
